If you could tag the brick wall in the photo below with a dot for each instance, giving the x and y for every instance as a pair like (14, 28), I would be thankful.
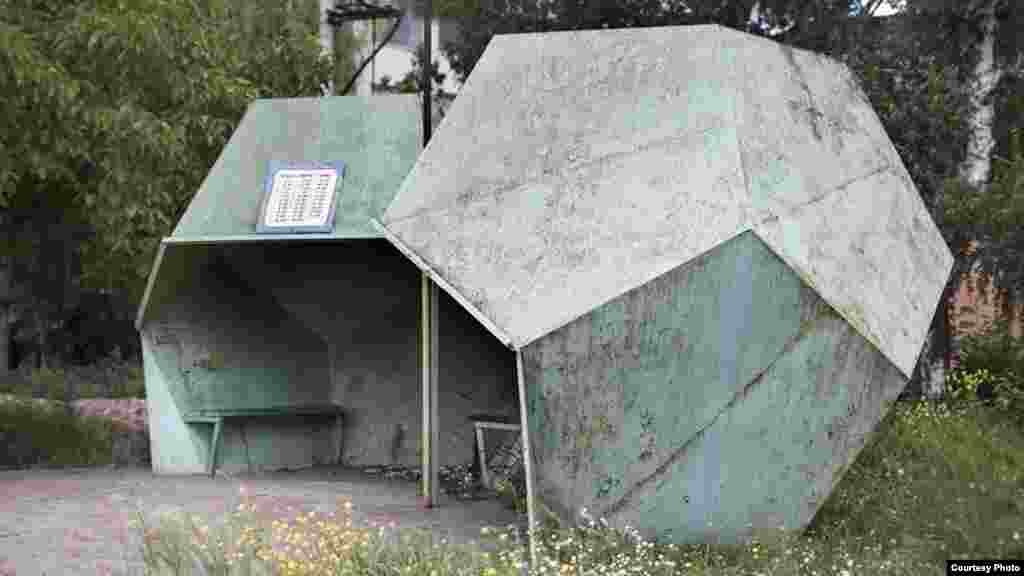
(977, 304)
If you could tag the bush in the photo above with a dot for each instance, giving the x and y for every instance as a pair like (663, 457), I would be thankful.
(106, 379)
(967, 386)
(997, 352)
(35, 433)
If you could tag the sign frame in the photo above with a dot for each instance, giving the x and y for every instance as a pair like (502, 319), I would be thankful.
(275, 166)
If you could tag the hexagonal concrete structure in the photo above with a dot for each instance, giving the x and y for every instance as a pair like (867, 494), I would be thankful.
(707, 252)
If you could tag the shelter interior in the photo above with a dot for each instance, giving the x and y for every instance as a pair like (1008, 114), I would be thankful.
(271, 324)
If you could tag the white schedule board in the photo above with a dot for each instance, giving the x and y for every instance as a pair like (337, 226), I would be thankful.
(300, 197)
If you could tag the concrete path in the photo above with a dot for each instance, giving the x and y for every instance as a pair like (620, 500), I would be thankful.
(75, 522)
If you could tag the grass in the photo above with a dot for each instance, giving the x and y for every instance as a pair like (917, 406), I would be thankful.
(938, 481)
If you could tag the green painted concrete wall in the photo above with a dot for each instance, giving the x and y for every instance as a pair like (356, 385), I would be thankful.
(214, 340)
(721, 396)
(377, 137)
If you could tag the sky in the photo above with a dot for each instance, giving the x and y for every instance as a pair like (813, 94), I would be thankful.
(885, 10)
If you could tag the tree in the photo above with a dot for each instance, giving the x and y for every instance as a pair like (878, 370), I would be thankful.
(115, 111)
(979, 202)
(821, 25)
(411, 82)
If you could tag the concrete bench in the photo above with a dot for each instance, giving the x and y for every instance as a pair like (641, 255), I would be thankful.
(217, 416)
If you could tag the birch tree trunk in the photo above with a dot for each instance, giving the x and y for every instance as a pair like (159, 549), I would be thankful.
(975, 171)
(978, 164)
(364, 83)
(326, 39)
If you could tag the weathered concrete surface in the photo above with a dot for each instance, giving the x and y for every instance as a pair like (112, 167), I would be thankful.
(722, 394)
(57, 523)
(216, 341)
(576, 166)
(377, 137)
(270, 325)
(362, 299)
(232, 318)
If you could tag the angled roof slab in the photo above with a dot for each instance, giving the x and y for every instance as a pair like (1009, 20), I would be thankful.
(377, 138)
(576, 166)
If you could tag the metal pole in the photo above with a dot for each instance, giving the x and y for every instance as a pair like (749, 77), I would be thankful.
(429, 295)
(524, 428)
(428, 356)
(435, 422)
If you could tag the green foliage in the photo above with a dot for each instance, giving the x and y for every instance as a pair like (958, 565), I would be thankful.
(991, 368)
(992, 365)
(144, 95)
(995, 350)
(35, 433)
(120, 381)
(965, 386)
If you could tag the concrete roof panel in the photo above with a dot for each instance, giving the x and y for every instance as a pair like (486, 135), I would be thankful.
(377, 138)
(576, 166)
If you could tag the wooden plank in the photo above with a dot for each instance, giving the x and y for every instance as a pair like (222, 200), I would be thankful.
(217, 417)
(497, 426)
(309, 410)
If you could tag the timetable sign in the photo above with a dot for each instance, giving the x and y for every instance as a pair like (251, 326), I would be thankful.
(300, 197)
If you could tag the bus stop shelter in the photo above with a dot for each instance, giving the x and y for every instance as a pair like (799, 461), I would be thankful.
(280, 331)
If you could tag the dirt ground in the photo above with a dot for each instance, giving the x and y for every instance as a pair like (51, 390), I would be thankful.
(75, 522)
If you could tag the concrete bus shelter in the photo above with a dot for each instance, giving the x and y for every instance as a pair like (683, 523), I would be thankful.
(712, 265)
(269, 351)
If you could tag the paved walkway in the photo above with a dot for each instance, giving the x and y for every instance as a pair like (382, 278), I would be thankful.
(75, 522)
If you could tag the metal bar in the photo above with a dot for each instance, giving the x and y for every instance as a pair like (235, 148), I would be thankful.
(339, 423)
(440, 281)
(140, 316)
(531, 515)
(428, 358)
(435, 424)
(214, 444)
(485, 476)
(424, 341)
